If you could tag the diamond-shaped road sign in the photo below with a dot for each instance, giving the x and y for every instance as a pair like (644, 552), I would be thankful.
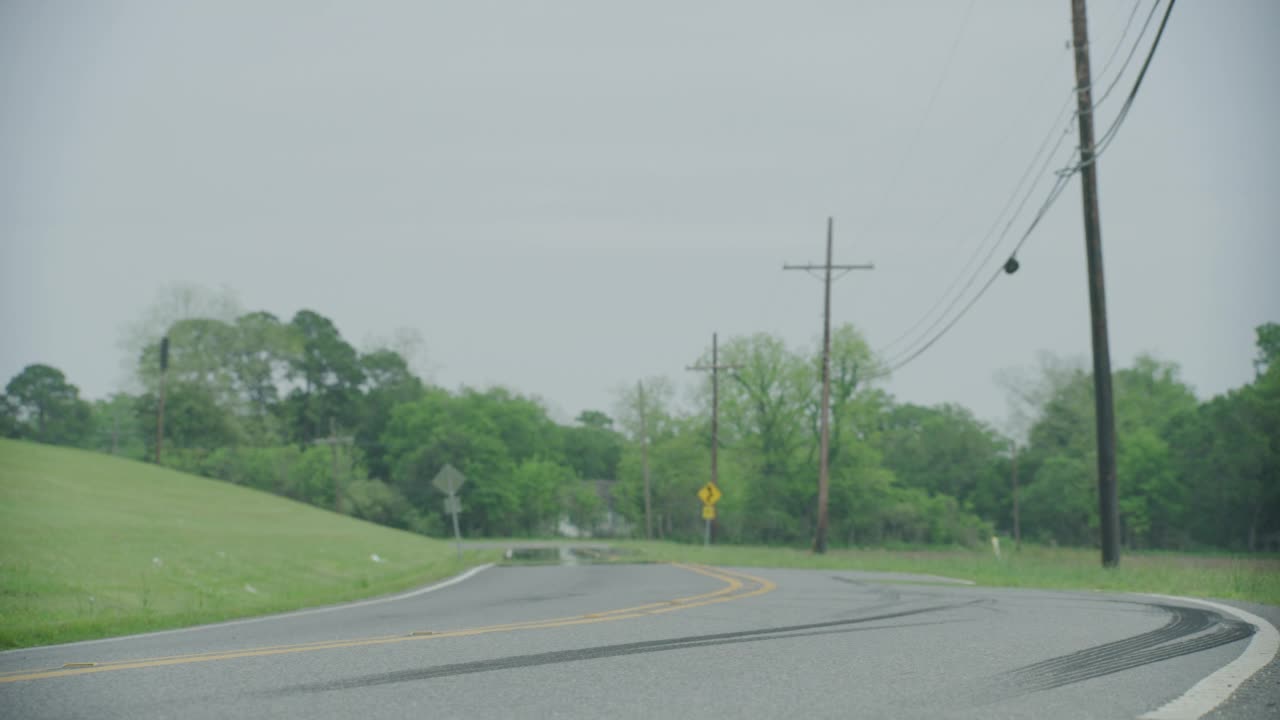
(710, 494)
(448, 480)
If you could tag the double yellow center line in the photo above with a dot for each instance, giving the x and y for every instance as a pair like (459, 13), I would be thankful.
(738, 586)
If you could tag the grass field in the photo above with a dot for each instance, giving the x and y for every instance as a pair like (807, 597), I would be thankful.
(93, 546)
(1250, 578)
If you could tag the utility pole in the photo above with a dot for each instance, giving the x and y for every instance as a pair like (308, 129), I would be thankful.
(715, 367)
(1017, 521)
(164, 370)
(644, 459)
(333, 441)
(824, 483)
(1104, 409)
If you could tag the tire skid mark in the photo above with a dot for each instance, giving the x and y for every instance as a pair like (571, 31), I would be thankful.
(1183, 621)
(830, 627)
(1189, 630)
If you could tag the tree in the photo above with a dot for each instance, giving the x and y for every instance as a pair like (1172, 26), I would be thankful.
(46, 408)
(946, 450)
(115, 427)
(1268, 344)
(644, 411)
(10, 425)
(679, 460)
(592, 447)
(388, 382)
(541, 486)
(329, 372)
(1028, 390)
(263, 351)
(439, 429)
(1227, 457)
(1147, 397)
(172, 305)
(193, 419)
(764, 411)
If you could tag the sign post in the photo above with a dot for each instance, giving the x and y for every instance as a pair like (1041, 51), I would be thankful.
(448, 481)
(709, 494)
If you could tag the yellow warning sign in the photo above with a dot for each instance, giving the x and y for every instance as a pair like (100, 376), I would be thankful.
(710, 494)
(708, 512)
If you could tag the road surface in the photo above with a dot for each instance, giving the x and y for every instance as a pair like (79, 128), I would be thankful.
(641, 641)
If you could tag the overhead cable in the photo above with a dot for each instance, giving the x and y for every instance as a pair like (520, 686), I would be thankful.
(1063, 178)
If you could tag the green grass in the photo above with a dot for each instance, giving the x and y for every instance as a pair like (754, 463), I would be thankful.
(94, 546)
(1232, 577)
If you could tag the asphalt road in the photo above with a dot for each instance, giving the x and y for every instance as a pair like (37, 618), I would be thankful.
(644, 641)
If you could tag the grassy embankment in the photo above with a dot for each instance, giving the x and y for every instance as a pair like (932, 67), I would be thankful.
(1233, 577)
(93, 546)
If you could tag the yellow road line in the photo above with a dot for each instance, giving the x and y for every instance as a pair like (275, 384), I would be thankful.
(733, 584)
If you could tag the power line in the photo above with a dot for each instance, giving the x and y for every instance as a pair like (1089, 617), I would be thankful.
(1115, 51)
(1059, 187)
(1129, 58)
(1026, 174)
(1110, 134)
(896, 177)
(1053, 193)
(1057, 122)
(902, 360)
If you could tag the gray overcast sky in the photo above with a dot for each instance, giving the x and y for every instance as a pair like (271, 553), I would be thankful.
(566, 196)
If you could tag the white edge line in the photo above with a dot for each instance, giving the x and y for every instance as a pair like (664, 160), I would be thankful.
(278, 616)
(1213, 690)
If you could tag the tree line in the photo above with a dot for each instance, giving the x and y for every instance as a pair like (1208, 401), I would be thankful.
(294, 408)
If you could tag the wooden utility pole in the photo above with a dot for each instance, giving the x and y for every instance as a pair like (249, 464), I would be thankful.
(715, 367)
(1104, 409)
(1017, 521)
(164, 370)
(644, 459)
(824, 484)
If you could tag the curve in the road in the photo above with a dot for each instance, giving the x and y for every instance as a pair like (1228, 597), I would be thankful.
(738, 586)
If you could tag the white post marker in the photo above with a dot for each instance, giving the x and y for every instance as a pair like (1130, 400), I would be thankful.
(1214, 690)
(448, 481)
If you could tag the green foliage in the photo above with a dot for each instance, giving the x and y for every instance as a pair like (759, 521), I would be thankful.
(294, 409)
(330, 376)
(41, 405)
(388, 383)
(592, 447)
(945, 450)
(582, 504)
(193, 418)
(503, 443)
(116, 428)
(541, 487)
(678, 466)
(1268, 344)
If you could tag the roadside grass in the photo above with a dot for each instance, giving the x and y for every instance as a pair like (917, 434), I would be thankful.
(1230, 577)
(94, 546)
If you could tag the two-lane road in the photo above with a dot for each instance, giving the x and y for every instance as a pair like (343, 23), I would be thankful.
(656, 641)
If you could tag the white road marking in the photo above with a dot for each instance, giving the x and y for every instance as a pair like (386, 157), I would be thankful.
(1213, 690)
(295, 613)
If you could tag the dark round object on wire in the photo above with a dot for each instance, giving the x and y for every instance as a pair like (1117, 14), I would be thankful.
(1011, 265)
